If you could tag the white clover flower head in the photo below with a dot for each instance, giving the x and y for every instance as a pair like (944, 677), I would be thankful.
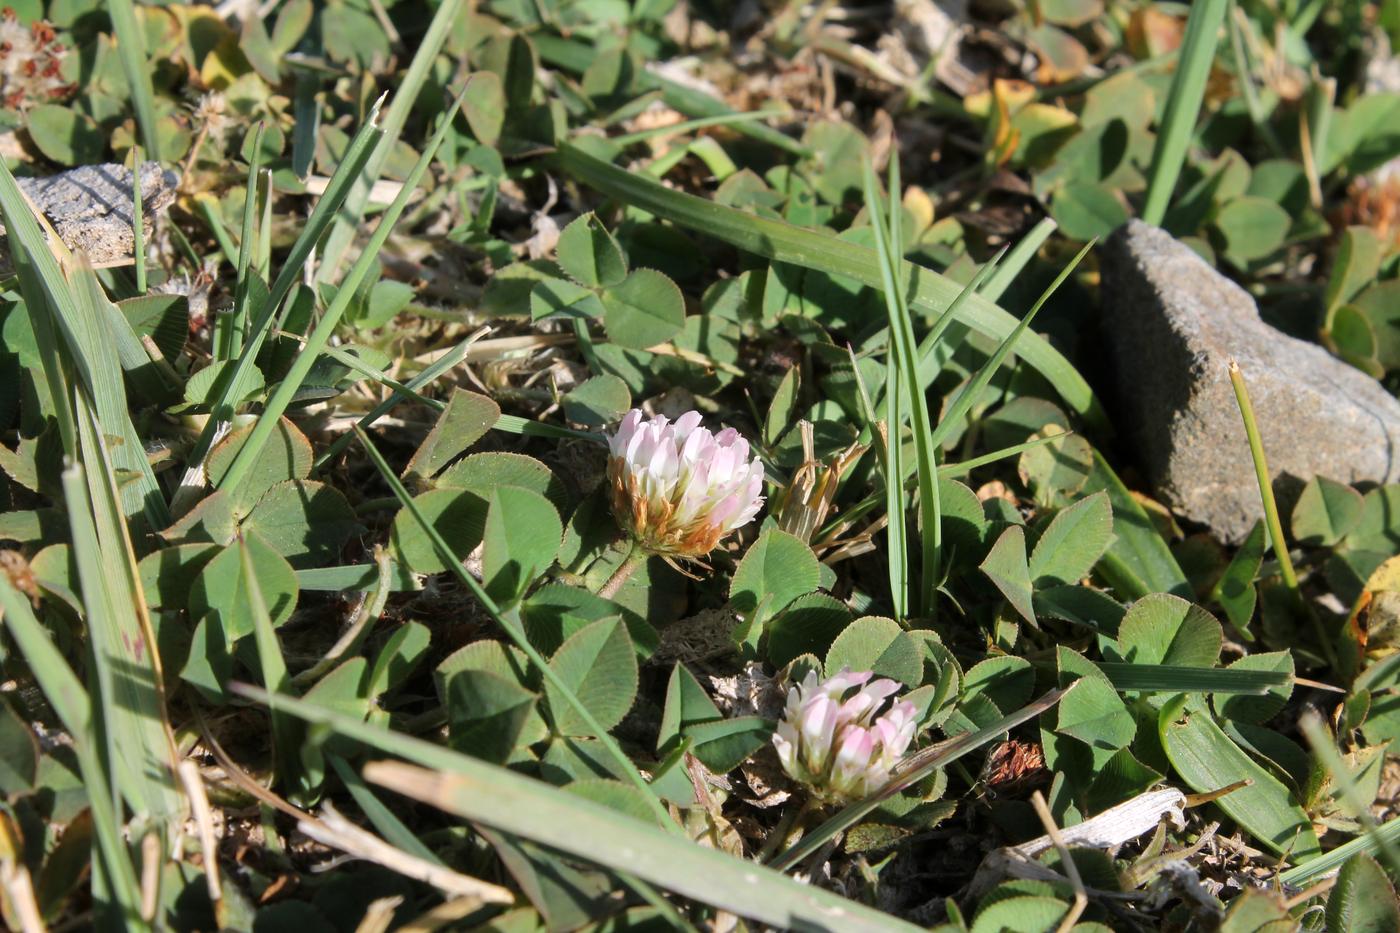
(678, 489)
(839, 737)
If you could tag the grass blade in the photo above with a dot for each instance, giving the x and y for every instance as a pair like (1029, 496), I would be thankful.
(1017, 259)
(1325, 749)
(501, 799)
(125, 659)
(1387, 833)
(968, 395)
(138, 223)
(286, 390)
(1138, 562)
(357, 577)
(576, 57)
(905, 387)
(347, 224)
(914, 769)
(409, 390)
(221, 408)
(510, 623)
(70, 701)
(381, 817)
(131, 47)
(1183, 105)
(1170, 678)
(86, 345)
(229, 340)
(286, 736)
(784, 242)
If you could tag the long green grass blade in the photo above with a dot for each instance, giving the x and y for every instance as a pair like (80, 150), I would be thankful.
(236, 323)
(347, 224)
(1169, 678)
(502, 799)
(906, 388)
(784, 242)
(381, 817)
(1359, 802)
(963, 403)
(409, 390)
(131, 47)
(929, 362)
(510, 622)
(356, 577)
(286, 390)
(1017, 259)
(286, 736)
(125, 659)
(914, 769)
(64, 692)
(1313, 869)
(221, 409)
(1138, 562)
(1183, 105)
(577, 56)
(86, 345)
(138, 223)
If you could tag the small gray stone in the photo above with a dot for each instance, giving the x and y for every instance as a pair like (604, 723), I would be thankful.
(90, 207)
(1172, 324)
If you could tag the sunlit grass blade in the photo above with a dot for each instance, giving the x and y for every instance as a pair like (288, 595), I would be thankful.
(576, 56)
(784, 242)
(286, 390)
(286, 736)
(261, 324)
(79, 333)
(687, 126)
(1138, 562)
(1016, 260)
(1311, 870)
(1183, 105)
(1236, 22)
(964, 467)
(125, 658)
(502, 799)
(963, 402)
(380, 817)
(131, 48)
(1168, 678)
(914, 769)
(228, 342)
(138, 223)
(64, 692)
(514, 424)
(905, 387)
(930, 360)
(509, 621)
(347, 223)
(1357, 801)
(947, 470)
(896, 530)
(356, 577)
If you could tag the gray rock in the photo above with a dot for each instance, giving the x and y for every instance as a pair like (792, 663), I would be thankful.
(90, 207)
(1172, 324)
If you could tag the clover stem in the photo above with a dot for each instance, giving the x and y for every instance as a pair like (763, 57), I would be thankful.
(624, 571)
(789, 829)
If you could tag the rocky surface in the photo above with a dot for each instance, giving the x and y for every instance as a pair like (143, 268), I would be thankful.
(90, 207)
(1172, 324)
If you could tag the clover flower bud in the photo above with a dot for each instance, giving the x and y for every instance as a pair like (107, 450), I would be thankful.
(838, 736)
(678, 489)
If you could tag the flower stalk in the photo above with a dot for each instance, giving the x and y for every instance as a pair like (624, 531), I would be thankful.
(634, 559)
